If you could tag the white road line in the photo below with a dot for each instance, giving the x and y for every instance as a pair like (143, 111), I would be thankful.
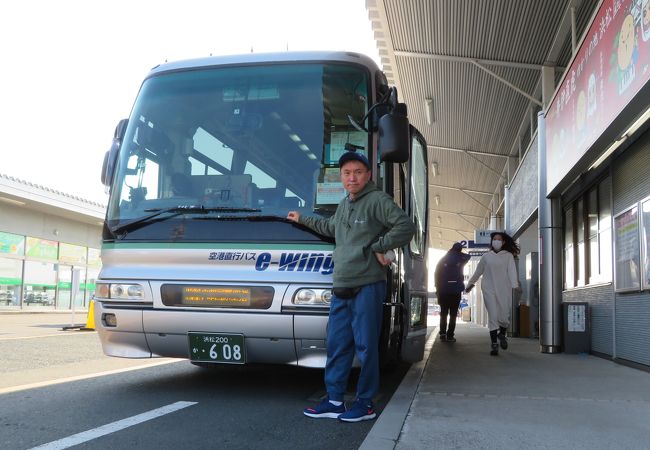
(64, 333)
(23, 387)
(89, 435)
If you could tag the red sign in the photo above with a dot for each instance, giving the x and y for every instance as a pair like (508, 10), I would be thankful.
(611, 66)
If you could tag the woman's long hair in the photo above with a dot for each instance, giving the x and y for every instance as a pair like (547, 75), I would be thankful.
(509, 244)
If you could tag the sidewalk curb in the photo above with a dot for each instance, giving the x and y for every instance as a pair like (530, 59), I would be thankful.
(387, 429)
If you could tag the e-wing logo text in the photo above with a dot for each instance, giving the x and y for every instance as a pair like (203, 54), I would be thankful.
(296, 262)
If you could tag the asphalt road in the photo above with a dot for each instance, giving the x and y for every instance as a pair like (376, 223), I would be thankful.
(173, 405)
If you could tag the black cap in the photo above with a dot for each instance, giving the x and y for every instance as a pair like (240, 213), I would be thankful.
(354, 156)
(457, 246)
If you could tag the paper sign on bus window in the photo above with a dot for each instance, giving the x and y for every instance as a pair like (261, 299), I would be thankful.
(329, 193)
(338, 139)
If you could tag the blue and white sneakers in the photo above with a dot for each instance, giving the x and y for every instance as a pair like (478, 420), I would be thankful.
(325, 410)
(360, 410)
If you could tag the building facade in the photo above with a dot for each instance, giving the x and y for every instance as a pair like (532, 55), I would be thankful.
(589, 204)
(48, 240)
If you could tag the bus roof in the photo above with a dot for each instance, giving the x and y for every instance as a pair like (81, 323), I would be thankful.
(252, 58)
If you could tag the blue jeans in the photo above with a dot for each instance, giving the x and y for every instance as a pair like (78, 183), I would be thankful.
(354, 327)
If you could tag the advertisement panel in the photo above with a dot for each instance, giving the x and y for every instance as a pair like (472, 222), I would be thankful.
(72, 254)
(12, 244)
(42, 248)
(610, 68)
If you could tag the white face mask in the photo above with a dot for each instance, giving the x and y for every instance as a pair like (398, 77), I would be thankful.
(496, 245)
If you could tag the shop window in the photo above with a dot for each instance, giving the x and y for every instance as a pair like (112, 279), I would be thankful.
(580, 236)
(569, 260)
(605, 230)
(11, 273)
(587, 238)
(39, 286)
(592, 236)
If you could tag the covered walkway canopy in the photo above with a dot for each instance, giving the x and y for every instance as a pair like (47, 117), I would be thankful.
(471, 73)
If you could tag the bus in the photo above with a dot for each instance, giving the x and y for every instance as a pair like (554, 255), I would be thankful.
(198, 259)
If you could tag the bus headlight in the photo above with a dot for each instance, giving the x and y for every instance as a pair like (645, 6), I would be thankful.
(316, 297)
(119, 291)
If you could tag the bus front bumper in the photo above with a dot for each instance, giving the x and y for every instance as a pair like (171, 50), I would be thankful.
(145, 332)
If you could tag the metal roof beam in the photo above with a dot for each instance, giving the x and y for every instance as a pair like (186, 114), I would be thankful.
(438, 227)
(468, 152)
(480, 203)
(507, 83)
(563, 30)
(456, 213)
(556, 47)
(485, 165)
(489, 62)
(439, 186)
(472, 224)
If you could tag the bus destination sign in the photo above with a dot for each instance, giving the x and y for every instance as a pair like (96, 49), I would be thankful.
(235, 296)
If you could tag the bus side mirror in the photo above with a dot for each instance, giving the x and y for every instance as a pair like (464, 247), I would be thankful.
(110, 158)
(394, 136)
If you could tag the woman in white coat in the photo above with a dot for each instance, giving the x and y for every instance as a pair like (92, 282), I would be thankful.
(499, 273)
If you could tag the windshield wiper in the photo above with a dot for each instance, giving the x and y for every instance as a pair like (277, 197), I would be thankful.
(173, 211)
(255, 218)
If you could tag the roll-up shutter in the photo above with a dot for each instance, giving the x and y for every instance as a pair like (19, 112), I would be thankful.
(632, 174)
(631, 183)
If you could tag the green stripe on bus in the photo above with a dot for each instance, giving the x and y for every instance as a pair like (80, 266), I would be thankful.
(212, 246)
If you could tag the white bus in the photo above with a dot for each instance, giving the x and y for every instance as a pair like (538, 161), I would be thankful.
(199, 261)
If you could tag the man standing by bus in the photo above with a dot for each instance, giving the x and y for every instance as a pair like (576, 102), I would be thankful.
(367, 223)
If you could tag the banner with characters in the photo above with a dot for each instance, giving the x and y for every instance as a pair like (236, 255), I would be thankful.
(611, 66)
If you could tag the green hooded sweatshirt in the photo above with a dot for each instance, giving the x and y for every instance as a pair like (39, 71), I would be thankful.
(370, 223)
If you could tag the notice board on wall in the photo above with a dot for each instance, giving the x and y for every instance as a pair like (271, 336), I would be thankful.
(627, 250)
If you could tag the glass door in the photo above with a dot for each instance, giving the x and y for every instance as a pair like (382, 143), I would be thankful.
(39, 285)
(64, 287)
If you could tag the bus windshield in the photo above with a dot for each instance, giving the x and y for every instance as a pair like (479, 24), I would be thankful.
(236, 142)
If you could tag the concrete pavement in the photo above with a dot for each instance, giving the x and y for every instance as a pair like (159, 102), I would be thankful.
(461, 397)
(457, 397)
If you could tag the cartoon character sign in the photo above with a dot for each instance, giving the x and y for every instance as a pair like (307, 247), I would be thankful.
(626, 53)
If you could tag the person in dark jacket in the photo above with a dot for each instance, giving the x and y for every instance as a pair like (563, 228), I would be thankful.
(449, 286)
(366, 225)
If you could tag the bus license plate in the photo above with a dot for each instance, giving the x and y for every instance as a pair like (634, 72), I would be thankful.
(217, 348)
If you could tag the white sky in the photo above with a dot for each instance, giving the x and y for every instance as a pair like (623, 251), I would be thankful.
(72, 68)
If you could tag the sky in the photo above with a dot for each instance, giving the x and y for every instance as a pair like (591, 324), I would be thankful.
(72, 68)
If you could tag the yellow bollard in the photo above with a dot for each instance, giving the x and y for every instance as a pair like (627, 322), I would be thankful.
(90, 321)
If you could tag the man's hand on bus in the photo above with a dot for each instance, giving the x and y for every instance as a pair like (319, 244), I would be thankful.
(381, 257)
(469, 288)
(293, 216)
